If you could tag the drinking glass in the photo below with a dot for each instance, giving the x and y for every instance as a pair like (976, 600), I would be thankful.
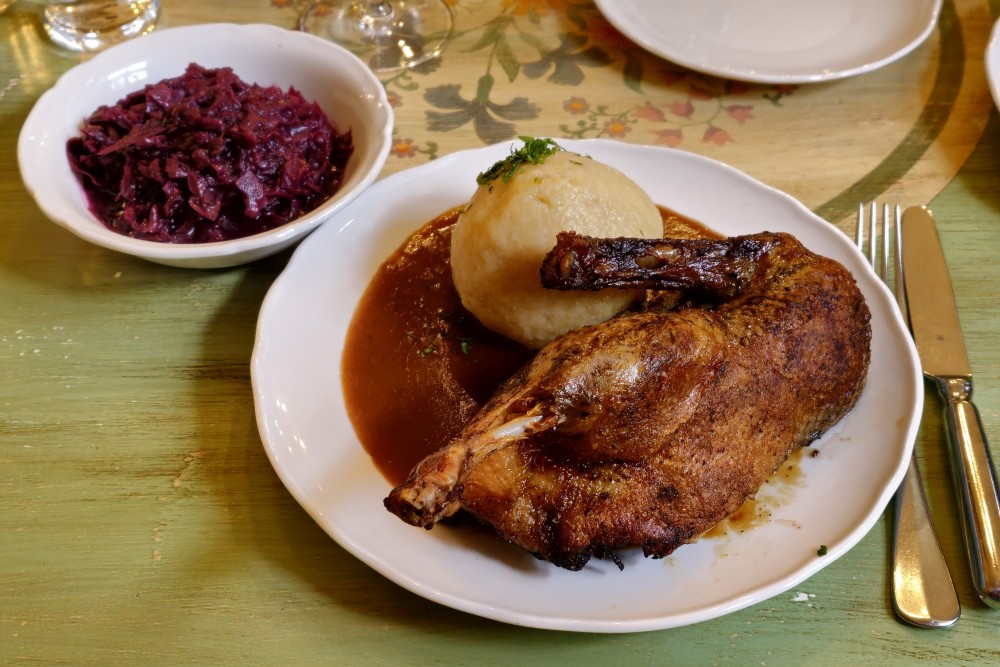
(387, 34)
(91, 25)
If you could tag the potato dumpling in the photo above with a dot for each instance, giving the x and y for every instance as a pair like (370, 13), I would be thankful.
(511, 222)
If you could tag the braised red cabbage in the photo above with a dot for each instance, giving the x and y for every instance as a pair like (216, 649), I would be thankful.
(207, 157)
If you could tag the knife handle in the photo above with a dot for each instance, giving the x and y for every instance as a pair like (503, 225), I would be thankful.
(976, 484)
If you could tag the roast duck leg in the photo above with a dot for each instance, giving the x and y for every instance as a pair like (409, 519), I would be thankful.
(648, 429)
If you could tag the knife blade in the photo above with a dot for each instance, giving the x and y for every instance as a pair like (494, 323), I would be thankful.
(937, 333)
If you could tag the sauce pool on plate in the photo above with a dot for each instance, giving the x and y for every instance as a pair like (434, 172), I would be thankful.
(416, 364)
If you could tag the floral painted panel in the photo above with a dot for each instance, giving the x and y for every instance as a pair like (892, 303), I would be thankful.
(557, 68)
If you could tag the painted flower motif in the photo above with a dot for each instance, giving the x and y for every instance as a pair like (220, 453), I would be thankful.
(741, 112)
(716, 135)
(281, 4)
(403, 148)
(586, 41)
(671, 138)
(650, 113)
(700, 94)
(683, 109)
(616, 128)
(576, 106)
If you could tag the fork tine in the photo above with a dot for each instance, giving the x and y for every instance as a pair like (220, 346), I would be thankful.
(872, 238)
(859, 227)
(868, 237)
(878, 237)
(870, 225)
(866, 234)
(885, 238)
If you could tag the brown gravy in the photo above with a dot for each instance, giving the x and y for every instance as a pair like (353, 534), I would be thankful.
(416, 364)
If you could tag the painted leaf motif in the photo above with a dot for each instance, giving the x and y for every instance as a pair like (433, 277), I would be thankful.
(490, 131)
(484, 114)
(632, 72)
(445, 122)
(445, 97)
(566, 61)
(517, 109)
(508, 61)
(493, 31)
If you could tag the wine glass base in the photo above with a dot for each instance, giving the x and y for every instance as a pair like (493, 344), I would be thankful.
(95, 25)
(389, 35)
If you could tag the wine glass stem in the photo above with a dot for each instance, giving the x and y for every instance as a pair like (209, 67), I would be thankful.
(387, 34)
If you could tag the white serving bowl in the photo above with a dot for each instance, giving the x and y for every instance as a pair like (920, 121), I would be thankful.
(346, 90)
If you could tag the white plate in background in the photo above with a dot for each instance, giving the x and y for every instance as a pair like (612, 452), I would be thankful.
(776, 41)
(993, 63)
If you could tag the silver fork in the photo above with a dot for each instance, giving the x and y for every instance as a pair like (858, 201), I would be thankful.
(922, 590)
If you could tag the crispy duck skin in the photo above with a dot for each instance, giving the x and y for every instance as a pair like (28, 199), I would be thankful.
(648, 429)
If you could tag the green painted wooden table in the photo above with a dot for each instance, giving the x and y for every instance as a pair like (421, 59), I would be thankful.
(141, 521)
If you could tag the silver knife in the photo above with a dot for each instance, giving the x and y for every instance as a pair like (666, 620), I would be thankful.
(938, 336)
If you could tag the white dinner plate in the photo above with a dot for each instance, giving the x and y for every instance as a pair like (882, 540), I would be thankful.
(776, 41)
(993, 63)
(308, 436)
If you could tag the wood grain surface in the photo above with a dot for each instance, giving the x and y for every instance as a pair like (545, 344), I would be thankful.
(141, 521)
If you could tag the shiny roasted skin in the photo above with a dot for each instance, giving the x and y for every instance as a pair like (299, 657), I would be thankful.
(648, 429)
